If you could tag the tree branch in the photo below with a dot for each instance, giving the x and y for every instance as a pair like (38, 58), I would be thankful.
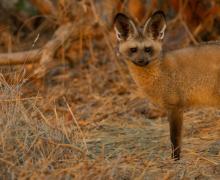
(45, 7)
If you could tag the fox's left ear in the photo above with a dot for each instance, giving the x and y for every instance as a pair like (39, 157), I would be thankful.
(155, 26)
(124, 27)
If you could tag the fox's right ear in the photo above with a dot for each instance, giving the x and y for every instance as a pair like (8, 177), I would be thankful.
(124, 27)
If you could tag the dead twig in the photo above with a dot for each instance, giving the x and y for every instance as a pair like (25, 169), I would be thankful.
(201, 157)
(192, 38)
(7, 162)
(78, 127)
(63, 145)
(19, 99)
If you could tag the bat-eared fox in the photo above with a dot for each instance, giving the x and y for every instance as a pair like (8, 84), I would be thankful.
(174, 80)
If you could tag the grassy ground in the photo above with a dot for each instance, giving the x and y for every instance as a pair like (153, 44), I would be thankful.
(88, 122)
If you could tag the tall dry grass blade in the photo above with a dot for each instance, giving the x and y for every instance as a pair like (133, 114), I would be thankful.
(78, 127)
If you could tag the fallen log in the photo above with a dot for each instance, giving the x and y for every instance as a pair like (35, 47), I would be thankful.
(62, 34)
(25, 57)
(43, 55)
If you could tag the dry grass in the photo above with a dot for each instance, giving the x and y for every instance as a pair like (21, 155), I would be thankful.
(85, 120)
(75, 128)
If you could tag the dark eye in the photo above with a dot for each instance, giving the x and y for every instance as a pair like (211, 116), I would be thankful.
(133, 50)
(148, 49)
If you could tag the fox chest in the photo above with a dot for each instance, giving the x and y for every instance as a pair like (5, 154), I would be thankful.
(152, 89)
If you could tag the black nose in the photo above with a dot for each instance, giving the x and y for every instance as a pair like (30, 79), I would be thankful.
(141, 62)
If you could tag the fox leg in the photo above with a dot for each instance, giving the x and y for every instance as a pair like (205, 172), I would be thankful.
(175, 118)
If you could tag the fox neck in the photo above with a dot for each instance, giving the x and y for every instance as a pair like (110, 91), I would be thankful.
(145, 74)
(148, 80)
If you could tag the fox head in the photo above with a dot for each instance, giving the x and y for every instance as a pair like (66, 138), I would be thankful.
(140, 45)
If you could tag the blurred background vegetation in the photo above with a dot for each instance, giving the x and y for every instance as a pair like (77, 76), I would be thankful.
(189, 21)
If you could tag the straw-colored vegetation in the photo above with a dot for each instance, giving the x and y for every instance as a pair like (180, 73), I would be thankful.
(70, 109)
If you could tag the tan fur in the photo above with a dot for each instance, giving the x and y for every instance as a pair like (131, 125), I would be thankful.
(186, 77)
(174, 80)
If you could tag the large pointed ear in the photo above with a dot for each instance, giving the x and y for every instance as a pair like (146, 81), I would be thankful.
(155, 26)
(124, 27)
